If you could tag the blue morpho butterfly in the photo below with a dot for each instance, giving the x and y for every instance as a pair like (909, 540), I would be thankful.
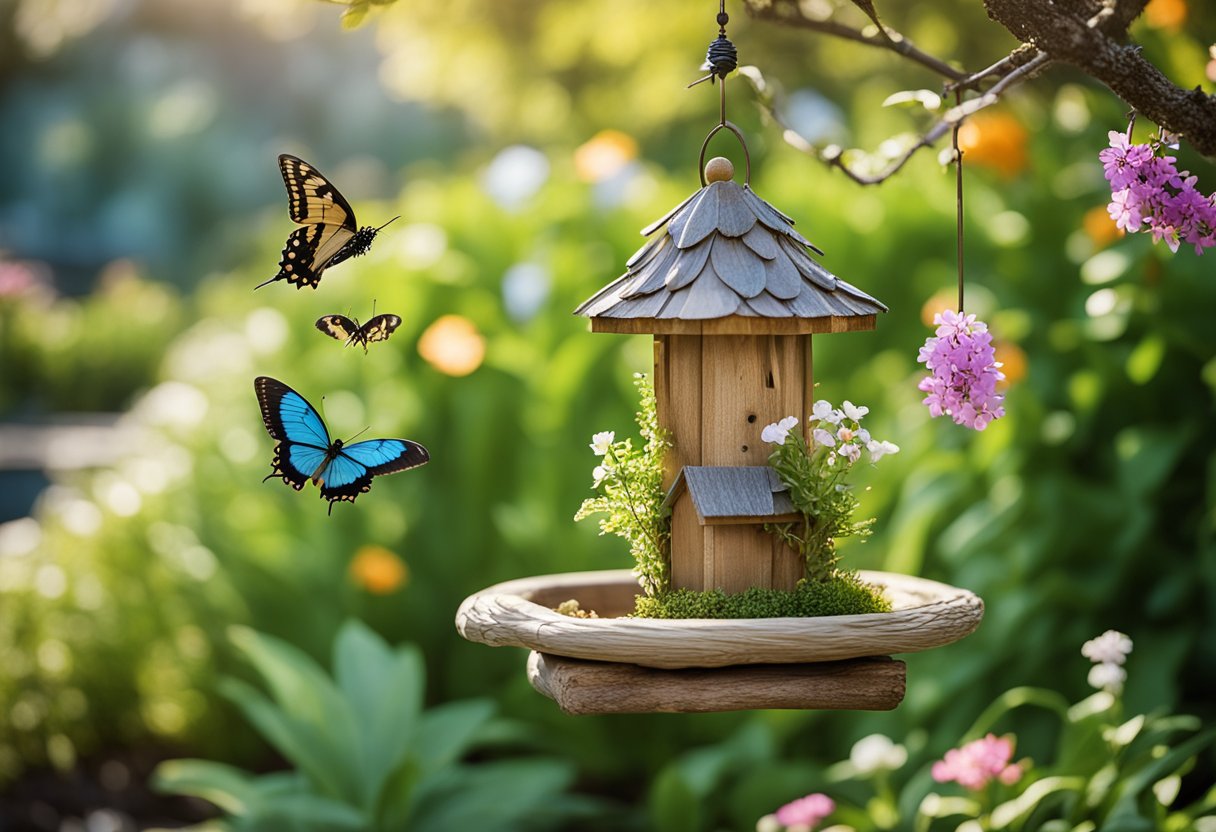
(329, 234)
(305, 452)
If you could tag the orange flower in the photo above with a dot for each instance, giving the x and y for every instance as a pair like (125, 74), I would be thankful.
(1013, 362)
(1099, 227)
(452, 345)
(603, 155)
(378, 570)
(1166, 14)
(994, 140)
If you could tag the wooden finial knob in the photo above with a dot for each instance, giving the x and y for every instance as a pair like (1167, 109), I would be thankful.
(719, 169)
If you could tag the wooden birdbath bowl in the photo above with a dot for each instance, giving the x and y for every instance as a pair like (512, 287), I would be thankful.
(614, 664)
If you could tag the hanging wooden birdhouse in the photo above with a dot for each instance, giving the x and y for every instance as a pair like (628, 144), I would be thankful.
(732, 295)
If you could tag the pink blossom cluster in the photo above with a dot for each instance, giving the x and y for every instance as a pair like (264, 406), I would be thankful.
(963, 371)
(978, 763)
(801, 815)
(1148, 191)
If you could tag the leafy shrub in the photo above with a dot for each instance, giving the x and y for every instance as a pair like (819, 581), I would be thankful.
(366, 755)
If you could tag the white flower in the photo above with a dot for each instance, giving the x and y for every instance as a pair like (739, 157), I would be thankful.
(598, 474)
(822, 437)
(1107, 676)
(823, 411)
(601, 442)
(776, 433)
(880, 449)
(863, 436)
(877, 753)
(769, 823)
(851, 451)
(1111, 647)
(854, 412)
(845, 434)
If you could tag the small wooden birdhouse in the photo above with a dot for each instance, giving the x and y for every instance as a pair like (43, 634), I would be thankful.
(732, 295)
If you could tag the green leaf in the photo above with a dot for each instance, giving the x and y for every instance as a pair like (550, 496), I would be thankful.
(353, 17)
(673, 806)
(488, 797)
(384, 691)
(307, 812)
(227, 787)
(446, 731)
(1018, 809)
(306, 745)
(1016, 698)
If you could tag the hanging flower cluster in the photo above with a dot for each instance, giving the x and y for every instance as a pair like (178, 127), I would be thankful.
(978, 763)
(1149, 192)
(1108, 652)
(963, 371)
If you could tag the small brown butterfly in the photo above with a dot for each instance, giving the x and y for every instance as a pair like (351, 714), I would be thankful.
(342, 328)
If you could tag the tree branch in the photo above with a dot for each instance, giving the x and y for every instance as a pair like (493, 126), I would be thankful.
(1092, 49)
(789, 12)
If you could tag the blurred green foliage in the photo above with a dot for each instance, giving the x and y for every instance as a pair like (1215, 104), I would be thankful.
(1092, 505)
(366, 755)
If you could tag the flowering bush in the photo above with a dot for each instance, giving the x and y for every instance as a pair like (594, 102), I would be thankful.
(1149, 193)
(963, 371)
(815, 477)
(1107, 773)
(630, 482)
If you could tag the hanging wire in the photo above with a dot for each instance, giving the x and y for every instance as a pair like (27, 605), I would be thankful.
(958, 163)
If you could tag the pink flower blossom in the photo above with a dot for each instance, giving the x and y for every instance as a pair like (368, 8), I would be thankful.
(963, 371)
(978, 763)
(1149, 193)
(806, 812)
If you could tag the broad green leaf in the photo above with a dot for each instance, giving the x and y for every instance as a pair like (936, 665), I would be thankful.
(227, 787)
(488, 797)
(354, 15)
(306, 745)
(307, 696)
(384, 691)
(445, 732)
(673, 805)
(308, 812)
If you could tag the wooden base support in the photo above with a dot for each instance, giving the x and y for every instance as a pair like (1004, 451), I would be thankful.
(580, 686)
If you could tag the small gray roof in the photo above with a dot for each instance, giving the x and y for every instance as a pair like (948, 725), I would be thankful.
(726, 251)
(725, 494)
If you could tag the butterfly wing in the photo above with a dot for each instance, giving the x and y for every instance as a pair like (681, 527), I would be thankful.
(311, 198)
(303, 442)
(350, 474)
(380, 327)
(328, 220)
(338, 326)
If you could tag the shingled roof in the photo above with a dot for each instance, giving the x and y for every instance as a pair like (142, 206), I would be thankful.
(726, 252)
(734, 494)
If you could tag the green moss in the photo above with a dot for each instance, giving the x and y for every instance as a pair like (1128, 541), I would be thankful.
(843, 594)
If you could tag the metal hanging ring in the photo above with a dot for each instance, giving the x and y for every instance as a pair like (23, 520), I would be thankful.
(747, 157)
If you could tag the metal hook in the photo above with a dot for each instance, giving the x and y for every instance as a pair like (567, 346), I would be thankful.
(747, 178)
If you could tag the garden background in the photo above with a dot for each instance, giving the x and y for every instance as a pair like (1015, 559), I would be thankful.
(524, 144)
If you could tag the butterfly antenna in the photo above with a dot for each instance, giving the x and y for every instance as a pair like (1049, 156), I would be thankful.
(394, 219)
(260, 285)
(357, 435)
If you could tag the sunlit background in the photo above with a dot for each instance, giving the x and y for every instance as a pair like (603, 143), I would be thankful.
(523, 145)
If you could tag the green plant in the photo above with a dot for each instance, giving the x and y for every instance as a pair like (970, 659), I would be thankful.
(843, 593)
(631, 482)
(366, 756)
(815, 478)
(1108, 772)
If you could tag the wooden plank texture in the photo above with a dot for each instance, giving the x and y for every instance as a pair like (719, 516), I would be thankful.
(743, 558)
(687, 547)
(519, 614)
(731, 325)
(588, 687)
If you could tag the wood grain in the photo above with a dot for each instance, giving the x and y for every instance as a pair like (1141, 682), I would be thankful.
(588, 687)
(519, 613)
